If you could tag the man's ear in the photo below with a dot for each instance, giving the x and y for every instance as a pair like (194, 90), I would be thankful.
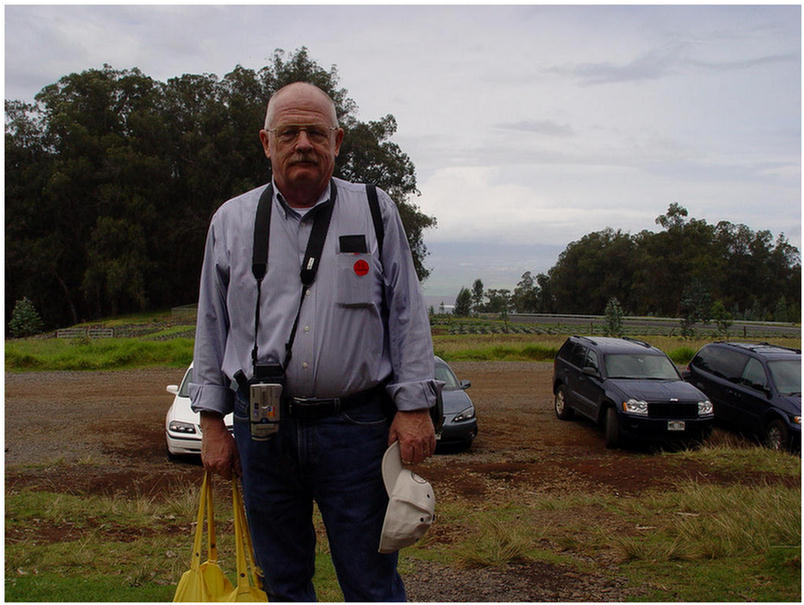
(338, 141)
(264, 140)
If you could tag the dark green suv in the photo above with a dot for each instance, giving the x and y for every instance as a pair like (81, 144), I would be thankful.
(630, 388)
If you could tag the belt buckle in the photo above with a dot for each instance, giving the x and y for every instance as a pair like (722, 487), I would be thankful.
(314, 403)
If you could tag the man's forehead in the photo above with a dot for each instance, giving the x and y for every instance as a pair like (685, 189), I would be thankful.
(301, 113)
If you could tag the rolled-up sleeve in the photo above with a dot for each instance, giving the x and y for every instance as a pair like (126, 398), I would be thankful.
(412, 385)
(209, 389)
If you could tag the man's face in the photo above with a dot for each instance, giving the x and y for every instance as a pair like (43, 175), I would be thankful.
(302, 144)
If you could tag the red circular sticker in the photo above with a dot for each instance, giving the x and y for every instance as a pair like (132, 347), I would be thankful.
(361, 267)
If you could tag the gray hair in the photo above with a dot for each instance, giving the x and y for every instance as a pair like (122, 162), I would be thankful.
(269, 112)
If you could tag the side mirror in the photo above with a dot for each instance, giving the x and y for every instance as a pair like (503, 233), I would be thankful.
(173, 389)
(465, 384)
(590, 371)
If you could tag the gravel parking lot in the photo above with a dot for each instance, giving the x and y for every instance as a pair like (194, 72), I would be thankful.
(102, 433)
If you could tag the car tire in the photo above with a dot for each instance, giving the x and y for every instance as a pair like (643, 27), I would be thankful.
(563, 411)
(612, 428)
(776, 435)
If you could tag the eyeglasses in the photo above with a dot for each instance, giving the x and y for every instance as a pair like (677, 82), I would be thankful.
(289, 133)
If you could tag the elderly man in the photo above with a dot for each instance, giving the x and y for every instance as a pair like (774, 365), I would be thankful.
(349, 341)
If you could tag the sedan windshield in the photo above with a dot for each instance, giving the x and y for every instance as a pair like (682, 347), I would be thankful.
(786, 376)
(637, 366)
(443, 373)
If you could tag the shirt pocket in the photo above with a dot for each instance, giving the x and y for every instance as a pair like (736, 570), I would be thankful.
(356, 278)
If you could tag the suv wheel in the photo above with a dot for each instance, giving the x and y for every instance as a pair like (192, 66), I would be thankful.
(776, 435)
(563, 412)
(612, 428)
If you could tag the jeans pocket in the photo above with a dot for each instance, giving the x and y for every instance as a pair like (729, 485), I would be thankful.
(367, 414)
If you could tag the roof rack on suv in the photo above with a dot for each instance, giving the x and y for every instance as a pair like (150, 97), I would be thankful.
(639, 342)
(758, 346)
(592, 340)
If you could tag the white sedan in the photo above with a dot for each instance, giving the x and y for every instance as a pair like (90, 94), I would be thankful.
(182, 425)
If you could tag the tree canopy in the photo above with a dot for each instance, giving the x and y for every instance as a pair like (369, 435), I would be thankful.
(688, 269)
(112, 177)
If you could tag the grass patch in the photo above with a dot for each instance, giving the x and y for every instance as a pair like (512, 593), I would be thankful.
(682, 355)
(697, 522)
(497, 347)
(172, 346)
(687, 542)
(731, 457)
(99, 566)
(100, 354)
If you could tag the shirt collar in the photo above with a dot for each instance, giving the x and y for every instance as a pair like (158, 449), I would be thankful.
(286, 209)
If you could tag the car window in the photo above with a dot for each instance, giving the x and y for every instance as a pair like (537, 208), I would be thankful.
(184, 389)
(640, 366)
(786, 375)
(565, 352)
(578, 355)
(754, 375)
(591, 360)
(723, 362)
(443, 373)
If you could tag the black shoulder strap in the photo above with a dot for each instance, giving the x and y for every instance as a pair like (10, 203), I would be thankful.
(262, 229)
(318, 234)
(376, 216)
(312, 256)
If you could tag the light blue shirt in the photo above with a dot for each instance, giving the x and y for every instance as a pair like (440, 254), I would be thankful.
(343, 343)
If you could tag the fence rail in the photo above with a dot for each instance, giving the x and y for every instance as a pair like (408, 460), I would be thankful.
(85, 333)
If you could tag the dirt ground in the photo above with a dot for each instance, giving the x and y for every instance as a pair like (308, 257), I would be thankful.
(103, 433)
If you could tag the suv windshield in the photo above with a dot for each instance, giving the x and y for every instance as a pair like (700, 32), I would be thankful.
(639, 366)
(786, 375)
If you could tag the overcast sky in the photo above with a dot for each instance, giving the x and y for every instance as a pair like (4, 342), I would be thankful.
(529, 126)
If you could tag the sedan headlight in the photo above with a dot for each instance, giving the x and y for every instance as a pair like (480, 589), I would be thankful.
(705, 408)
(181, 427)
(636, 406)
(466, 414)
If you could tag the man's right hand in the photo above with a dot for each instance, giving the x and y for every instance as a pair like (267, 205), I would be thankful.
(218, 449)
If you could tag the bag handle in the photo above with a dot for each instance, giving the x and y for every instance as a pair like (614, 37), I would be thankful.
(212, 547)
(246, 568)
(203, 507)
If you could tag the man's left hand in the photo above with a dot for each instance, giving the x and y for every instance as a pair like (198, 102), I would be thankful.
(415, 433)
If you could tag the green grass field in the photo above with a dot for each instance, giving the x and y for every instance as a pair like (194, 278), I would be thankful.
(690, 542)
(168, 346)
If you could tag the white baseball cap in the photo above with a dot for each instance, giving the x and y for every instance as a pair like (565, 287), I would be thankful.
(411, 505)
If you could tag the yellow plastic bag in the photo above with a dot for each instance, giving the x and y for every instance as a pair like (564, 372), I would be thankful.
(206, 582)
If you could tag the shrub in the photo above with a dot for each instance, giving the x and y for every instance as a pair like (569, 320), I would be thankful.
(614, 318)
(25, 320)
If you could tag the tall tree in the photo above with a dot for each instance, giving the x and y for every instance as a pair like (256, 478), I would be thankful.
(477, 296)
(111, 179)
(525, 298)
(463, 303)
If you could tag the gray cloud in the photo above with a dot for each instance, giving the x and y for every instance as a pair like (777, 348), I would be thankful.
(546, 127)
(745, 63)
(655, 64)
(652, 65)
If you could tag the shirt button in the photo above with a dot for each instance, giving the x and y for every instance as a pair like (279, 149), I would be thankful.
(306, 328)
(307, 293)
(305, 365)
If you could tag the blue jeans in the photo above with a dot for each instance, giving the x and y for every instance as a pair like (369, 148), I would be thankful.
(334, 461)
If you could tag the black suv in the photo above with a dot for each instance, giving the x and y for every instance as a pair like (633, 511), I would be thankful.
(755, 387)
(629, 387)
